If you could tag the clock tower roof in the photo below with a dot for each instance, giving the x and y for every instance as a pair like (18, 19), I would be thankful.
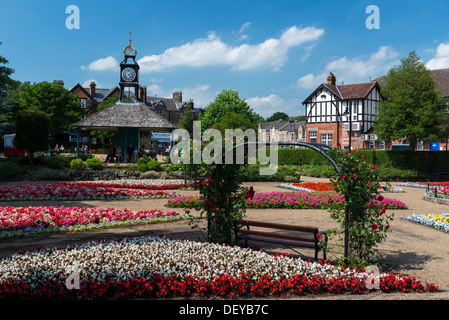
(129, 50)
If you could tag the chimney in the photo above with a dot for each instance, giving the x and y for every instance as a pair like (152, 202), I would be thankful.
(177, 95)
(92, 89)
(60, 82)
(331, 79)
(191, 103)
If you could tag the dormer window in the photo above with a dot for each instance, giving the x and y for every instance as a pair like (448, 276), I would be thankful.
(160, 111)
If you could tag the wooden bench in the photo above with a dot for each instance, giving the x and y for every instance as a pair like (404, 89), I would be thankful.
(312, 241)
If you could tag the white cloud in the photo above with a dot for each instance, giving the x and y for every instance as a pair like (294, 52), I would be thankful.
(441, 58)
(243, 28)
(86, 83)
(103, 64)
(200, 93)
(354, 70)
(266, 106)
(211, 51)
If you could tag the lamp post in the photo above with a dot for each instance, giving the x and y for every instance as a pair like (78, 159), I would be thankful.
(347, 113)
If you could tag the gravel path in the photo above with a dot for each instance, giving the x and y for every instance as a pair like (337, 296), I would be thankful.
(411, 249)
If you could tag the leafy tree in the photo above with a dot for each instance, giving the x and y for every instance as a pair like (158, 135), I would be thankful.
(411, 108)
(7, 87)
(32, 131)
(278, 116)
(187, 119)
(6, 82)
(226, 103)
(62, 108)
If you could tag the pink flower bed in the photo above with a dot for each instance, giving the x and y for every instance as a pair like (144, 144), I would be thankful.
(30, 218)
(290, 200)
(73, 192)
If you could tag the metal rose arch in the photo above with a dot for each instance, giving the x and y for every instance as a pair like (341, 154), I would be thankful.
(318, 147)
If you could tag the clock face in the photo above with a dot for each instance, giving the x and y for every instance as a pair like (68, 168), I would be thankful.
(128, 74)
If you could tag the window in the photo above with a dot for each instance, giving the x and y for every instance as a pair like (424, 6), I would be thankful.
(83, 103)
(312, 136)
(354, 110)
(326, 138)
(420, 146)
(160, 111)
(381, 145)
(372, 144)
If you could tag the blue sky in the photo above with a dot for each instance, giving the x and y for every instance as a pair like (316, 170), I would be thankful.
(274, 53)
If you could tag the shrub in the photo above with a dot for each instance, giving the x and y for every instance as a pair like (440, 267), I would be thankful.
(57, 162)
(10, 170)
(94, 163)
(154, 165)
(77, 164)
(49, 174)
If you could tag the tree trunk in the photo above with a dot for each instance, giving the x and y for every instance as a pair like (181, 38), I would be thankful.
(413, 143)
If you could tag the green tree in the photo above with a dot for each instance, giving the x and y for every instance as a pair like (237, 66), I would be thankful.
(187, 119)
(62, 107)
(7, 87)
(32, 131)
(227, 102)
(279, 115)
(411, 108)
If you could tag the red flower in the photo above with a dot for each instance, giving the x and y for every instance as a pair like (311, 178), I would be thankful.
(383, 210)
(380, 198)
(210, 202)
(355, 176)
(355, 151)
(374, 226)
(344, 177)
(250, 193)
(373, 166)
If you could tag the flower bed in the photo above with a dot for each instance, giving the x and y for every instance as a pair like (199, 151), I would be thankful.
(16, 221)
(440, 222)
(148, 184)
(74, 192)
(161, 267)
(327, 186)
(290, 200)
(424, 184)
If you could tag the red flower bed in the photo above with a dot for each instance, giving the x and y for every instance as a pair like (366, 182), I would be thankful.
(317, 186)
(224, 286)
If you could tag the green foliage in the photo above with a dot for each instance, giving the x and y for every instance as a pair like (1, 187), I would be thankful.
(32, 128)
(279, 115)
(412, 108)
(227, 102)
(77, 164)
(154, 165)
(57, 162)
(368, 224)
(94, 164)
(10, 170)
(146, 164)
(320, 170)
(62, 107)
(224, 201)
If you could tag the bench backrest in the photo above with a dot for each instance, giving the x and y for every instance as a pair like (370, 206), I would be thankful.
(276, 226)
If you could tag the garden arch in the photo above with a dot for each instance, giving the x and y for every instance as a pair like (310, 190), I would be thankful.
(318, 147)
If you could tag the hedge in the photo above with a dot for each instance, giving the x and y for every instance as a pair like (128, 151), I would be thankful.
(424, 161)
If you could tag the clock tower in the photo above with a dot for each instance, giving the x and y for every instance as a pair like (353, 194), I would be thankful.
(129, 71)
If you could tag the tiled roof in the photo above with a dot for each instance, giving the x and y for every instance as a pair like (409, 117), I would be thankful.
(272, 124)
(126, 115)
(356, 90)
(441, 77)
(171, 104)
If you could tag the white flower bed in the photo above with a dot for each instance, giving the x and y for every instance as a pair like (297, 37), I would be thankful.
(429, 221)
(296, 188)
(144, 256)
